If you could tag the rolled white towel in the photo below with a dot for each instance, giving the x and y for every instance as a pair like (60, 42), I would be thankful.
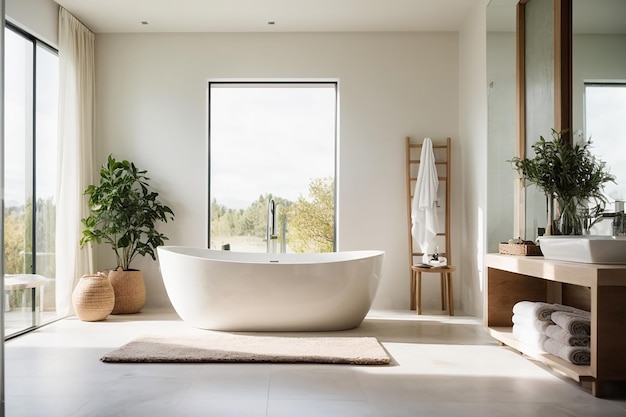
(532, 322)
(534, 309)
(529, 337)
(557, 332)
(574, 323)
(541, 310)
(578, 355)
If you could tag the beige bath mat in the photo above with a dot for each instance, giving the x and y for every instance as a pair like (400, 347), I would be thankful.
(227, 347)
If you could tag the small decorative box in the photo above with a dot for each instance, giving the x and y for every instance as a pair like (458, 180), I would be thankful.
(520, 249)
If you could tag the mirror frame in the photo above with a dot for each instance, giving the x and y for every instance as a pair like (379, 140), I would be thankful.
(563, 89)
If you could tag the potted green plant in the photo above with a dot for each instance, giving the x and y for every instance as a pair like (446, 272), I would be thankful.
(123, 214)
(571, 175)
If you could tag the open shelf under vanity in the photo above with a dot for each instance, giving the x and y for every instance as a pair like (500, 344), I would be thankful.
(600, 289)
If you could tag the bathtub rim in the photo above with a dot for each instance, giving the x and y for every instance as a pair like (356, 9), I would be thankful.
(270, 258)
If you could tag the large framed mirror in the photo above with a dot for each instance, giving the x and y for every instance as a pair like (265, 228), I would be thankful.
(599, 89)
(598, 55)
(571, 69)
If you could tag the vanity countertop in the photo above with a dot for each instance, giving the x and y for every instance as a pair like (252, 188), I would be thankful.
(576, 273)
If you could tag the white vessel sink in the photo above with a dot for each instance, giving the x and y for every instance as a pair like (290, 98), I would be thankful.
(586, 249)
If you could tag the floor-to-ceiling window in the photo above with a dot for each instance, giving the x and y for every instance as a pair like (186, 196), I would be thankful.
(272, 151)
(30, 143)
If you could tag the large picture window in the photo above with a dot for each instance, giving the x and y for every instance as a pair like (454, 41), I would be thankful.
(272, 166)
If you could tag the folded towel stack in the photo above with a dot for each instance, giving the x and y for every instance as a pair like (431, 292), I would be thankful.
(534, 326)
(570, 337)
(530, 320)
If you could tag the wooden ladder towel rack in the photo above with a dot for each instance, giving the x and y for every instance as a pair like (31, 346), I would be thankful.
(443, 163)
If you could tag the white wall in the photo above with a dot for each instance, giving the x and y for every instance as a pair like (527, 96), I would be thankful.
(473, 128)
(152, 109)
(38, 17)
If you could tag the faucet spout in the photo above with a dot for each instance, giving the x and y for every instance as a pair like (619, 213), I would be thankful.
(619, 224)
(619, 219)
(270, 233)
(271, 217)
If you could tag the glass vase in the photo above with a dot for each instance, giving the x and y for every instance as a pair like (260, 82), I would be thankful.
(551, 226)
(586, 220)
(568, 220)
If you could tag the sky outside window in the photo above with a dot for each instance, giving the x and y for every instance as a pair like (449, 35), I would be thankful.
(605, 124)
(270, 139)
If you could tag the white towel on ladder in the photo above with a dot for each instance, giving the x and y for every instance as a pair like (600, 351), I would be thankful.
(424, 218)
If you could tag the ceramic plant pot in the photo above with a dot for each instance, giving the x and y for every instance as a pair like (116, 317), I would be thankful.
(93, 297)
(130, 291)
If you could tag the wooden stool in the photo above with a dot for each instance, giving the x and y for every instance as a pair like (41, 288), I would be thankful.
(446, 287)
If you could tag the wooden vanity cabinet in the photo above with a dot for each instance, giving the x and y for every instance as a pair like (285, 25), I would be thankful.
(600, 289)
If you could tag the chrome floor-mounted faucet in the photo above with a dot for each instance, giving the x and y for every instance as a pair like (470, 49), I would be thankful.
(270, 233)
(619, 219)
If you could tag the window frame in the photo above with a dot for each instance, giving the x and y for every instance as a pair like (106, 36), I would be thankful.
(30, 157)
(600, 84)
(266, 82)
(32, 147)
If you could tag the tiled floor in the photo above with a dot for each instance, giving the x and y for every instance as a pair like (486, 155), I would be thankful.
(441, 366)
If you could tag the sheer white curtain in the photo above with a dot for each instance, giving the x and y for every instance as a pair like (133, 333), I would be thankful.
(75, 154)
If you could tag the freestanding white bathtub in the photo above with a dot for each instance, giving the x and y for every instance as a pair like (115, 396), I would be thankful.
(237, 291)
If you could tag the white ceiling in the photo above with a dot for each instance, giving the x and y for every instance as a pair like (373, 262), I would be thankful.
(121, 16)
(106, 16)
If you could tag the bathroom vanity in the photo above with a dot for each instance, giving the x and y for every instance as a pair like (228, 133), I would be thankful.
(600, 289)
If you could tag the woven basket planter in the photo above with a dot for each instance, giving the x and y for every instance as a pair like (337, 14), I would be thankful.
(93, 298)
(130, 291)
